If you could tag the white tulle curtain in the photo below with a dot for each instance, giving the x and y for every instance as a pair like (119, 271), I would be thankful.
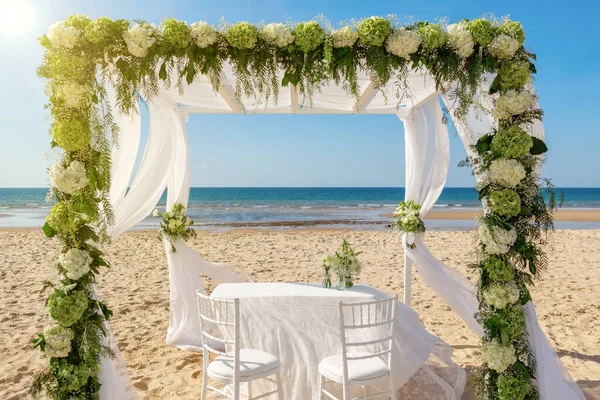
(427, 150)
(185, 265)
(552, 378)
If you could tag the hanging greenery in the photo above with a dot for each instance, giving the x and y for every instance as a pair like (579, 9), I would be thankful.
(83, 56)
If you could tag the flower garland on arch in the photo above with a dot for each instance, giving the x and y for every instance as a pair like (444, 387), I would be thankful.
(83, 55)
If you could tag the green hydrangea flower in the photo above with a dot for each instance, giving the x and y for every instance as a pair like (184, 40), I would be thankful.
(66, 309)
(373, 31)
(514, 74)
(506, 203)
(242, 35)
(176, 33)
(499, 270)
(78, 21)
(71, 377)
(512, 142)
(512, 388)
(71, 67)
(72, 134)
(514, 30)
(105, 30)
(433, 36)
(63, 220)
(482, 31)
(511, 320)
(100, 30)
(309, 35)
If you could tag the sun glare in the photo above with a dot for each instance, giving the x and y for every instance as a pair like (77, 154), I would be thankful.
(16, 17)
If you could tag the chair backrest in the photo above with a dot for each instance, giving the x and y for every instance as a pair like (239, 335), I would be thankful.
(375, 323)
(225, 315)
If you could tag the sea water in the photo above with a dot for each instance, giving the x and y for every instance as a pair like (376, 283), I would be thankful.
(285, 208)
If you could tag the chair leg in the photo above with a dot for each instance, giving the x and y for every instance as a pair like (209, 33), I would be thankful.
(250, 390)
(321, 378)
(394, 394)
(346, 391)
(204, 375)
(279, 390)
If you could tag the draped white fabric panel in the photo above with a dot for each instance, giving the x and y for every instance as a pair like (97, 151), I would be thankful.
(427, 159)
(154, 170)
(185, 265)
(553, 380)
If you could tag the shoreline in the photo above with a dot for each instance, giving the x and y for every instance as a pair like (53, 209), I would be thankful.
(453, 217)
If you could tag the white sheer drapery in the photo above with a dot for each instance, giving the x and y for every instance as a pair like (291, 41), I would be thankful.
(427, 158)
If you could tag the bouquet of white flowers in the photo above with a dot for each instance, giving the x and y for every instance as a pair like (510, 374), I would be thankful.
(175, 225)
(345, 264)
(408, 219)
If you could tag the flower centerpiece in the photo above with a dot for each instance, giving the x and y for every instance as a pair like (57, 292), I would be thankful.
(345, 264)
(175, 225)
(408, 220)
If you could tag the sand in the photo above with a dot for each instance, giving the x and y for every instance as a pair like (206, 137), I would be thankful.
(137, 290)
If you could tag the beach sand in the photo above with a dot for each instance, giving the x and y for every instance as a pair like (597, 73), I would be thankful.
(137, 290)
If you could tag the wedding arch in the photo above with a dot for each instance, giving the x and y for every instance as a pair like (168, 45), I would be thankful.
(475, 72)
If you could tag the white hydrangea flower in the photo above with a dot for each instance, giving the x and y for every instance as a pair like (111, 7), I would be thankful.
(139, 38)
(278, 34)
(497, 356)
(496, 240)
(508, 173)
(344, 37)
(58, 341)
(75, 95)
(403, 43)
(203, 34)
(76, 262)
(500, 295)
(503, 46)
(62, 36)
(68, 179)
(155, 213)
(461, 39)
(512, 102)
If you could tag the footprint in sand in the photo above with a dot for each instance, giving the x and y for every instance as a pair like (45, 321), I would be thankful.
(141, 386)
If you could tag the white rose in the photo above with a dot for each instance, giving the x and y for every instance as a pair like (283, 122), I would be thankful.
(203, 34)
(344, 37)
(155, 213)
(58, 341)
(69, 179)
(278, 34)
(76, 262)
(75, 95)
(508, 173)
(460, 39)
(497, 240)
(497, 356)
(62, 36)
(501, 294)
(139, 38)
(403, 43)
(503, 46)
(512, 103)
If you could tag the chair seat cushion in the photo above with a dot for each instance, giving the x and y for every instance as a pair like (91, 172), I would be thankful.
(358, 370)
(252, 362)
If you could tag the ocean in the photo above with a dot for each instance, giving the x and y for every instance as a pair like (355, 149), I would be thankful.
(285, 208)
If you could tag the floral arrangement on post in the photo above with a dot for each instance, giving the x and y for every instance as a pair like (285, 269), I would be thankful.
(408, 221)
(345, 264)
(175, 225)
(83, 56)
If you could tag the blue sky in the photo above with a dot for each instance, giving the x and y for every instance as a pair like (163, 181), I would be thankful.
(320, 150)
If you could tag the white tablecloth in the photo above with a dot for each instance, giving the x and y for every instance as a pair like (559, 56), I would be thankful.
(298, 323)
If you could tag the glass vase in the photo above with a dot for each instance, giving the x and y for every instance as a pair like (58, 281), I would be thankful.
(326, 279)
